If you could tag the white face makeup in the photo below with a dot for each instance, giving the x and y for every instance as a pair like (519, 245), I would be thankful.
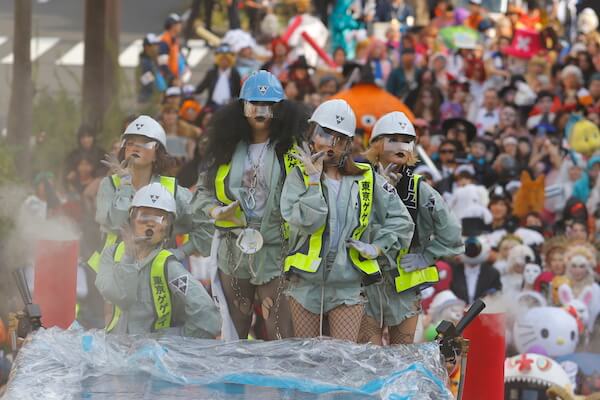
(578, 267)
(258, 110)
(456, 313)
(530, 273)
(394, 146)
(397, 148)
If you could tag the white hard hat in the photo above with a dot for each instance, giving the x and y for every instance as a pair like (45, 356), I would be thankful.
(394, 123)
(336, 115)
(445, 298)
(148, 127)
(156, 196)
(173, 91)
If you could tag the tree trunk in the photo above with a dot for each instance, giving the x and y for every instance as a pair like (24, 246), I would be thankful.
(94, 88)
(111, 49)
(20, 113)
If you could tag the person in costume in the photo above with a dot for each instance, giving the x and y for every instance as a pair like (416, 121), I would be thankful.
(142, 159)
(222, 81)
(149, 288)
(249, 145)
(344, 218)
(395, 302)
(581, 262)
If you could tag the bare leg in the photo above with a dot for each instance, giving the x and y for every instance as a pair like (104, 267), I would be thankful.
(275, 309)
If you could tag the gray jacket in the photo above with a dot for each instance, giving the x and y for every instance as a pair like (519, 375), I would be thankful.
(308, 208)
(127, 285)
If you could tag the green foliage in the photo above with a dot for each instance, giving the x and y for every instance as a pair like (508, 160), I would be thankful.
(56, 118)
(7, 164)
(8, 175)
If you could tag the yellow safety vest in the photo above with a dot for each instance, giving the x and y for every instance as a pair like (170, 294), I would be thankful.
(420, 278)
(161, 294)
(224, 197)
(308, 258)
(168, 182)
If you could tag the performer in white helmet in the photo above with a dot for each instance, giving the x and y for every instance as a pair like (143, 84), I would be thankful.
(149, 288)
(142, 159)
(396, 302)
(343, 217)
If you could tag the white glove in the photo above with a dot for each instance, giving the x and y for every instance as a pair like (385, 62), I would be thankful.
(226, 213)
(132, 242)
(414, 261)
(390, 173)
(119, 168)
(366, 250)
(313, 163)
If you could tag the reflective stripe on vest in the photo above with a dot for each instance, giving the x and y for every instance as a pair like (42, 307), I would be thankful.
(289, 163)
(365, 194)
(168, 182)
(308, 258)
(221, 191)
(221, 194)
(415, 279)
(93, 262)
(161, 294)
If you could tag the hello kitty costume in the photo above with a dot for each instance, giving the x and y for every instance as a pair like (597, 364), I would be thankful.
(578, 256)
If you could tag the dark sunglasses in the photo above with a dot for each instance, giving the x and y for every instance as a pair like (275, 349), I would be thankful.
(447, 151)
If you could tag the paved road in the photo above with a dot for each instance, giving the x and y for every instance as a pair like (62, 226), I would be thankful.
(57, 43)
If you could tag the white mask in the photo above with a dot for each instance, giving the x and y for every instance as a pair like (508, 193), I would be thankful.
(397, 146)
(531, 272)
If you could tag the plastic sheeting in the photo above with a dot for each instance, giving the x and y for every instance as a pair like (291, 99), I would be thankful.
(74, 364)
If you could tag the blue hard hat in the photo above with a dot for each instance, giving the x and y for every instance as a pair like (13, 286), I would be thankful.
(262, 86)
(224, 48)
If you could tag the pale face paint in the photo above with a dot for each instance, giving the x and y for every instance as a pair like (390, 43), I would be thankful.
(530, 274)
(396, 149)
(579, 267)
(258, 110)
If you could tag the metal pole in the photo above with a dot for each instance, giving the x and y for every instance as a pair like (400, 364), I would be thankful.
(463, 368)
(436, 175)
